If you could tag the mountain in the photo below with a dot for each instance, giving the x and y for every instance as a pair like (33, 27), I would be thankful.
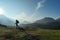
(6, 21)
(46, 23)
(45, 20)
(58, 20)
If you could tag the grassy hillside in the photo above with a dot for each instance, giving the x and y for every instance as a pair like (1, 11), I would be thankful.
(39, 34)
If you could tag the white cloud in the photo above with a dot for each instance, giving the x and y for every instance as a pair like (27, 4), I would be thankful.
(39, 5)
(25, 17)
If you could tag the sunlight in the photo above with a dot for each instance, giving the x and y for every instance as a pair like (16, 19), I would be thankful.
(1, 11)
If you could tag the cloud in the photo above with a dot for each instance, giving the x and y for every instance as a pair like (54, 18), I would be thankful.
(25, 17)
(39, 5)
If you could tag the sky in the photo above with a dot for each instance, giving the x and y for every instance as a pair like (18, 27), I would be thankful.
(30, 10)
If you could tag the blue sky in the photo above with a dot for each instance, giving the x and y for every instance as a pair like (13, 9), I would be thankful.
(30, 10)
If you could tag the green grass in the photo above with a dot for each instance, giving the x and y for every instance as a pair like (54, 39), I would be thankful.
(41, 34)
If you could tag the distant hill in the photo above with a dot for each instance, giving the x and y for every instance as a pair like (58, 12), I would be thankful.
(49, 23)
(46, 23)
(58, 20)
(3, 26)
(6, 21)
(45, 20)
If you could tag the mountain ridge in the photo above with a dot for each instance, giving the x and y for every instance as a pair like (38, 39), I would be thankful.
(6, 21)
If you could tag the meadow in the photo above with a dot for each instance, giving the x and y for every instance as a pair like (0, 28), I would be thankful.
(37, 33)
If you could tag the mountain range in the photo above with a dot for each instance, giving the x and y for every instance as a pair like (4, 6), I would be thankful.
(46, 22)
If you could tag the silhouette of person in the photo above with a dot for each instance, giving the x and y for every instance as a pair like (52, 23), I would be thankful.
(19, 28)
(17, 22)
